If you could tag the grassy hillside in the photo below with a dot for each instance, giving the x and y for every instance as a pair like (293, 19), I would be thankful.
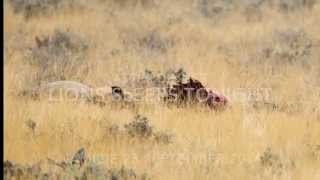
(263, 55)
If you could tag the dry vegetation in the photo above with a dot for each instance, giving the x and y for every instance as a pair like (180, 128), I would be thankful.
(264, 55)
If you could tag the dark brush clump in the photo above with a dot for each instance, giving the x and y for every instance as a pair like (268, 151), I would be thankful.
(291, 46)
(286, 47)
(33, 8)
(89, 171)
(152, 79)
(153, 42)
(214, 9)
(147, 43)
(133, 3)
(141, 129)
(80, 167)
(252, 9)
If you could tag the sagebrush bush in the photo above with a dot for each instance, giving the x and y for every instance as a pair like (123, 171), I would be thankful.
(35, 8)
(155, 43)
(291, 5)
(133, 3)
(289, 46)
(139, 127)
(147, 43)
(79, 167)
(60, 56)
(91, 170)
(158, 79)
(252, 9)
(215, 9)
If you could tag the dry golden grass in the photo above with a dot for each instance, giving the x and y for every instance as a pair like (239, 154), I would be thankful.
(206, 144)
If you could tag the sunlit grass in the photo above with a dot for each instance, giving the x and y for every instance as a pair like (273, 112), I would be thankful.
(206, 144)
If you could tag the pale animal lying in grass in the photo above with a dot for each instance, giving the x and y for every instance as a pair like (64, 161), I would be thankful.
(68, 90)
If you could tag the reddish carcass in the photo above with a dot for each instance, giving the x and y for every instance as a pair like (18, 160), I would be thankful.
(193, 92)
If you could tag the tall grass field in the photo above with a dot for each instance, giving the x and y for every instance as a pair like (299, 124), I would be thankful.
(263, 55)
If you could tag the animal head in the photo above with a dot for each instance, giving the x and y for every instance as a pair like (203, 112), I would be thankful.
(117, 92)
